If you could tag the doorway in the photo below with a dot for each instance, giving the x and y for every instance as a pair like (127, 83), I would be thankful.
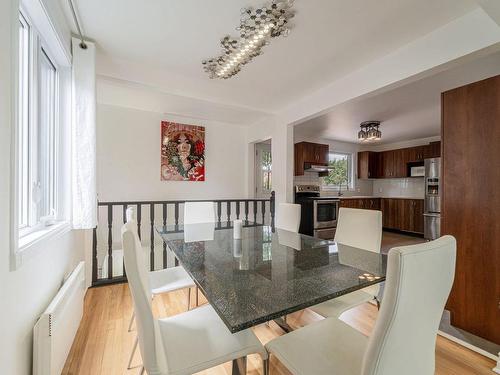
(263, 169)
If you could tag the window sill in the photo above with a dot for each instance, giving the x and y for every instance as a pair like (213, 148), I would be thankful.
(28, 245)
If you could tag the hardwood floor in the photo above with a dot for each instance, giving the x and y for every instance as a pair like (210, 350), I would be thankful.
(391, 239)
(102, 344)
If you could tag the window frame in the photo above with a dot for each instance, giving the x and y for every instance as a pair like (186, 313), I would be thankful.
(350, 173)
(27, 241)
(28, 147)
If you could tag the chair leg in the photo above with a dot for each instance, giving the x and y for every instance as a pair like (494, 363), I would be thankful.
(239, 366)
(377, 302)
(189, 298)
(196, 289)
(265, 365)
(131, 321)
(134, 348)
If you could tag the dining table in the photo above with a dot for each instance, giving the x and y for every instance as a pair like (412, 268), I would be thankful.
(266, 273)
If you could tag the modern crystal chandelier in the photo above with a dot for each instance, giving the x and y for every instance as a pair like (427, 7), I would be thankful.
(369, 131)
(257, 27)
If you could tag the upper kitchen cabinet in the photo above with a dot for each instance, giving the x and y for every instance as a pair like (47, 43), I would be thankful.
(309, 153)
(433, 150)
(395, 163)
(414, 154)
(369, 164)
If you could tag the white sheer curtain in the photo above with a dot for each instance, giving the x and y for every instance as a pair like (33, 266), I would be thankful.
(84, 137)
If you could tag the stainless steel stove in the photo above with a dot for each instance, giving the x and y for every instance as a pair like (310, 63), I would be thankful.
(318, 214)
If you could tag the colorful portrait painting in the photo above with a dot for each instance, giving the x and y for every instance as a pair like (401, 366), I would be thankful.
(182, 152)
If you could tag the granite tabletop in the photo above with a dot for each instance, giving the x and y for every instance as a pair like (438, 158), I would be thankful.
(268, 274)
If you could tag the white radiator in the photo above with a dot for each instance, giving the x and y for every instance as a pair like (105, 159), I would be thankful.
(55, 331)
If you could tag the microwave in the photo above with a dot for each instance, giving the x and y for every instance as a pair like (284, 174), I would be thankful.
(418, 171)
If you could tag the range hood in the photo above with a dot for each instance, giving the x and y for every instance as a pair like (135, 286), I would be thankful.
(309, 167)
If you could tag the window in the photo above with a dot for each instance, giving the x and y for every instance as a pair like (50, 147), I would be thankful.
(340, 175)
(37, 132)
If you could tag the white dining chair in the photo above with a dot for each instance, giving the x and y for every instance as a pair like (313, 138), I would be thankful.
(403, 340)
(162, 281)
(185, 343)
(288, 217)
(199, 212)
(361, 229)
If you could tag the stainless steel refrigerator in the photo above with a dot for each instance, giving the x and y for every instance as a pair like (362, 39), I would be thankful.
(432, 210)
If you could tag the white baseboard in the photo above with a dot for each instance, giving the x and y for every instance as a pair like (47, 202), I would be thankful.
(474, 349)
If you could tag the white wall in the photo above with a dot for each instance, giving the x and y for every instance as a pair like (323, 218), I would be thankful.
(281, 137)
(128, 157)
(25, 292)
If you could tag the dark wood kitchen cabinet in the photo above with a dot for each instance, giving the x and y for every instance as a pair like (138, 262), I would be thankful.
(368, 164)
(395, 163)
(387, 160)
(470, 203)
(312, 153)
(433, 150)
(411, 215)
(403, 214)
(363, 203)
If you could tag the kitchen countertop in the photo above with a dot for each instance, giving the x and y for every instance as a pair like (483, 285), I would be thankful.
(368, 197)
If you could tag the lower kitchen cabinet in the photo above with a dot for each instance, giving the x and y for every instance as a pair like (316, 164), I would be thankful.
(403, 214)
(363, 203)
(397, 213)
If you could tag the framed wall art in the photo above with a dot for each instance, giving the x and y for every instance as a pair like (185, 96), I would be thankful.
(182, 152)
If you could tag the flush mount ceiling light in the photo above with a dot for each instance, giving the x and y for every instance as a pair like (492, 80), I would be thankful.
(369, 131)
(257, 27)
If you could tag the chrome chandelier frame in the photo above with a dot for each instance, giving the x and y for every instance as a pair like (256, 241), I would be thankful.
(369, 131)
(257, 27)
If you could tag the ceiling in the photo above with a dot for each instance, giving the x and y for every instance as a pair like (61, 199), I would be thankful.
(409, 112)
(162, 43)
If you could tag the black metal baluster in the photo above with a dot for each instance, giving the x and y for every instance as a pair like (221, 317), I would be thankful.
(228, 213)
(263, 206)
(237, 210)
(255, 212)
(246, 212)
(219, 214)
(110, 241)
(94, 255)
(176, 217)
(176, 261)
(165, 259)
(124, 209)
(139, 212)
(272, 204)
(152, 237)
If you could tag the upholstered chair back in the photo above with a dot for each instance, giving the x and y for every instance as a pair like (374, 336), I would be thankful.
(138, 281)
(359, 228)
(288, 217)
(419, 280)
(199, 212)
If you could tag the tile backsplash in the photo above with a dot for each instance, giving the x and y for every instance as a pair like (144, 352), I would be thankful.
(399, 187)
(387, 187)
(362, 187)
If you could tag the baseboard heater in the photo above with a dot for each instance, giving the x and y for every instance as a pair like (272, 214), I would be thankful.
(55, 331)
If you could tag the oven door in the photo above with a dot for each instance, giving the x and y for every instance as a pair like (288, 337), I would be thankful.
(325, 213)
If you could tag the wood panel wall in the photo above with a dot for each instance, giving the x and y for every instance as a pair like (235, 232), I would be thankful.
(471, 203)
